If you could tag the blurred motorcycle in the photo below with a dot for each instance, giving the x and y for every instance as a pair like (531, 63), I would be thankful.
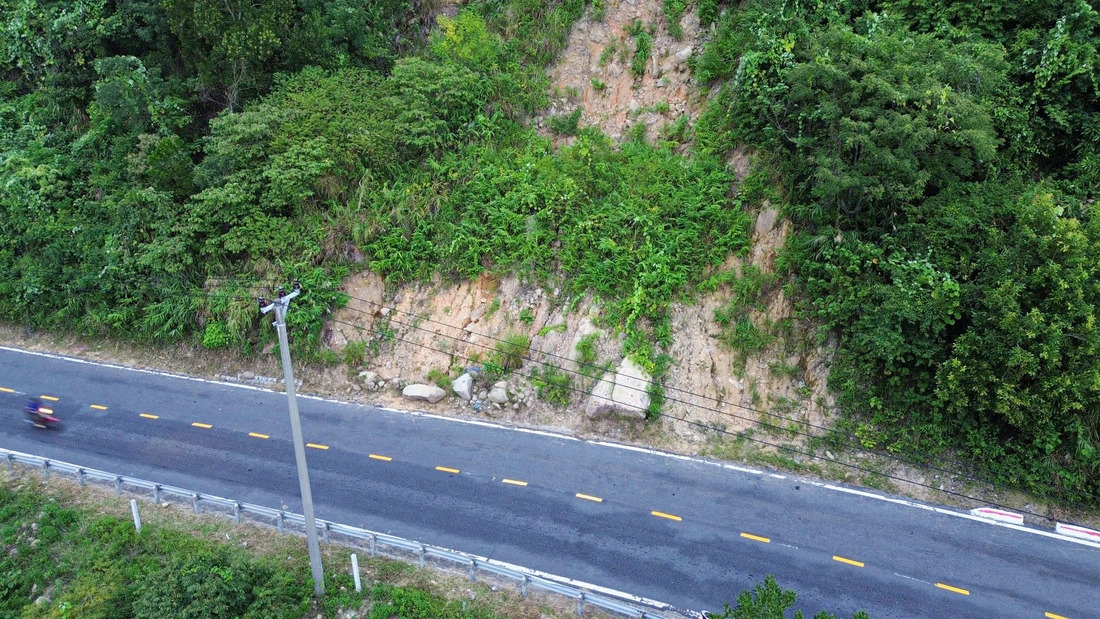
(40, 416)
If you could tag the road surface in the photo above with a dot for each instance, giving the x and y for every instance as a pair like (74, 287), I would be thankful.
(688, 532)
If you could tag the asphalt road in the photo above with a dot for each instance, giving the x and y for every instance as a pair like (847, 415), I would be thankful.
(687, 532)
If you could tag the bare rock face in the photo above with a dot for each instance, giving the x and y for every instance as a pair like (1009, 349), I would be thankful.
(629, 395)
(462, 385)
(417, 391)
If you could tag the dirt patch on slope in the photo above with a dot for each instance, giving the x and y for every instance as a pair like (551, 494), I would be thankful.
(594, 73)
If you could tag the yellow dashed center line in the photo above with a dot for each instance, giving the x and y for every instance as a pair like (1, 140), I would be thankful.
(589, 497)
(848, 561)
(148, 416)
(49, 397)
(382, 458)
(6, 390)
(445, 469)
(316, 446)
(664, 515)
(202, 425)
(99, 407)
(1053, 616)
(258, 435)
(952, 589)
(755, 537)
(514, 482)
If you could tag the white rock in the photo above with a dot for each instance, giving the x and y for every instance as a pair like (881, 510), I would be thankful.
(684, 54)
(498, 395)
(368, 376)
(765, 221)
(630, 395)
(462, 385)
(599, 403)
(500, 384)
(417, 391)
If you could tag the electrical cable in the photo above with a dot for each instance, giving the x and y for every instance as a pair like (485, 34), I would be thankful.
(777, 446)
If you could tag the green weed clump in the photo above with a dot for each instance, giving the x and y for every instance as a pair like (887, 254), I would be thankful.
(553, 385)
(643, 47)
(674, 12)
(565, 124)
(511, 352)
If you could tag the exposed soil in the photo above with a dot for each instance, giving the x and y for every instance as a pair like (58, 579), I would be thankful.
(593, 72)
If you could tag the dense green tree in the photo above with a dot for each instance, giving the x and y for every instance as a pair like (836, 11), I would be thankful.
(768, 600)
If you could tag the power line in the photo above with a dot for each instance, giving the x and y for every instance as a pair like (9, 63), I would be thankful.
(849, 439)
(761, 422)
(777, 446)
(850, 442)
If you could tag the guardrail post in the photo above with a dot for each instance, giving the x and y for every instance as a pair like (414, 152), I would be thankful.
(237, 511)
(423, 549)
(156, 493)
(137, 516)
(80, 476)
(118, 485)
(195, 501)
(11, 462)
(282, 518)
(523, 586)
(473, 570)
(373, 541)
(580, 605)
(46, 468)
(355, 573)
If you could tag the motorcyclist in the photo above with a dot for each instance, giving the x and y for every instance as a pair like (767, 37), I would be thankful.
(38, 412)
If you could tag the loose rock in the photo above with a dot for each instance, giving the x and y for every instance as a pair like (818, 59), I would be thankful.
(417, 391)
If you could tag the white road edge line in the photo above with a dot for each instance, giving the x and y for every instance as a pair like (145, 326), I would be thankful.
(950, 512)
(637, 599)
(870, 495)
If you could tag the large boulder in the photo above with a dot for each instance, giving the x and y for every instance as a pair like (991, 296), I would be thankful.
(417, 391)
(599, 403)
(625, 394)
(462, 385)
(631, 395)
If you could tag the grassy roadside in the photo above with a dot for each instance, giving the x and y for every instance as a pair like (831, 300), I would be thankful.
(69, 551)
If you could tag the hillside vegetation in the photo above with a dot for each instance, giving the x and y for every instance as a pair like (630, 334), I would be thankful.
(939, 162)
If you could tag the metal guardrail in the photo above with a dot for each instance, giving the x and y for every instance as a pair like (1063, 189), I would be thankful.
(399, 547)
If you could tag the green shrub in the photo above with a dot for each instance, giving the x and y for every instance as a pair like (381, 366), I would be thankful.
(511, 352)
(215, 336)
(355, 353)
(586, 348)
(674, 12)
(440, 377)
(553, 385)
(565, 124)
(526, 316)
(643, 47)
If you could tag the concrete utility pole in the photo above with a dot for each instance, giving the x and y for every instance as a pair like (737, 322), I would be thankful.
(280, 306)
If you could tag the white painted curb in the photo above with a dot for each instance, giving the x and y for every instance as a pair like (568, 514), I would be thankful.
(1078, 532)
(998, 515)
